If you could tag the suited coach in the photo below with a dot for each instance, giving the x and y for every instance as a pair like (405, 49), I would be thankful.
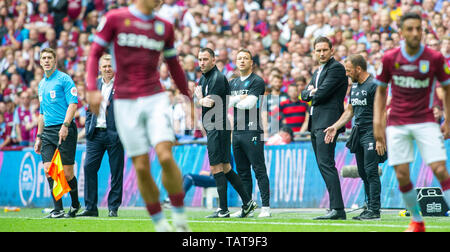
(326, 91)
(101, 136)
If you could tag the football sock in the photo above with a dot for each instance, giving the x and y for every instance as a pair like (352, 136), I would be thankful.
(446, 190)
(74, 191)
(221, 183)
(58, 204)
(177, 201)
(409, 196)
(236, 182)
(155, 211)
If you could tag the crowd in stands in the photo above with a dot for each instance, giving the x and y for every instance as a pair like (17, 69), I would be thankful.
(279, 33)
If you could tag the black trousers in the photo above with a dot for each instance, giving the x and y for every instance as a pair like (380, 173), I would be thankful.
(248, 150)
(95, 150)
(367, 162)
(325, 160)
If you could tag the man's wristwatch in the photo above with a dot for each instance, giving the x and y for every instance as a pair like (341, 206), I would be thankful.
(66, 124)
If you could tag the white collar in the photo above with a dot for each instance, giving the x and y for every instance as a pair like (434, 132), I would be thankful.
(243, 78)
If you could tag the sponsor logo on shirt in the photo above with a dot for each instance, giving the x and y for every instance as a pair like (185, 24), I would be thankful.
(139, 41)
(409, 68)
(358, 102)
(410, 82)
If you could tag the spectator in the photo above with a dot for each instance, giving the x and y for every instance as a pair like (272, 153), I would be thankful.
(9, 133)
(22, 117)
(225, 26)
(284, 136)
(13, 37)
(293, 111)
(271, 107)
(189, 67)
(41, 21)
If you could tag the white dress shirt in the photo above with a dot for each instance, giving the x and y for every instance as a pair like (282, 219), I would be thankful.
(106, 91)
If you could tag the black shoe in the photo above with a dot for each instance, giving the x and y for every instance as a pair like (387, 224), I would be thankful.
(219, 213)
(358, 217)
(112, 213)
(370, 215)
(88, 213)
(73, 211)
(247, 209)
(55, 214)
(333, 215)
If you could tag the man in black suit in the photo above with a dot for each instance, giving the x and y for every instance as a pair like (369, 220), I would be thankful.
(101, 136)
(326, 91)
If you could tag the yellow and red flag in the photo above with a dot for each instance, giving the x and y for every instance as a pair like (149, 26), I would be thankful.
(56, 171)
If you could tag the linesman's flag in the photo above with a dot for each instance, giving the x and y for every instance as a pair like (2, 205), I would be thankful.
(56, 171)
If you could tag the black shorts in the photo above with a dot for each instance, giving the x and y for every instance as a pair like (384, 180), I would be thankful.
(50, 139)
(219, 146)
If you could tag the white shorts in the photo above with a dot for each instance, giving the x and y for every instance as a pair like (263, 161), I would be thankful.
(143, 122)
(429, 140)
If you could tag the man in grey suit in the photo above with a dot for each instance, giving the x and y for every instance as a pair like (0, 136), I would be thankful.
(326, 91)
(101, 136)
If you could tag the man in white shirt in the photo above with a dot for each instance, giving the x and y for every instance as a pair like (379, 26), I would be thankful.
(101, 136)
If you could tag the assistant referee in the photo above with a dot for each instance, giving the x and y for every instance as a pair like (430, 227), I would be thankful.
(56, 127)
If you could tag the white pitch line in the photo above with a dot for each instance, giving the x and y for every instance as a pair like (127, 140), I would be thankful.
(343, 224)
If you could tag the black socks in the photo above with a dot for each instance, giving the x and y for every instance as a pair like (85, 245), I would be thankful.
(236, 182)
(221, 183)
(73, 193)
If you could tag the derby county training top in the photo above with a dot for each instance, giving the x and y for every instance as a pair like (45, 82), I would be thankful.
(362, 97)
(247, 119)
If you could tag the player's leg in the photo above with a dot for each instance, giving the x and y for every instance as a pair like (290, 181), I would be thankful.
(133, 134)
(440, 171)
(162, 136)
(400, 150)
(432, 148)
(150, 192)
(173, 183)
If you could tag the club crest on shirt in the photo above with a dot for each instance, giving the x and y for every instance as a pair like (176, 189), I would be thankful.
(53, 94)
(159, 28)
(424, 66)
(446, 69)
(127, 22)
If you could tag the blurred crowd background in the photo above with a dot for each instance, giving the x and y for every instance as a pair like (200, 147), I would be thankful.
(279, 33)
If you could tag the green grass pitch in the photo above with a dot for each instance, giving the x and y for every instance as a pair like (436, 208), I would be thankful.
(282, 220)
